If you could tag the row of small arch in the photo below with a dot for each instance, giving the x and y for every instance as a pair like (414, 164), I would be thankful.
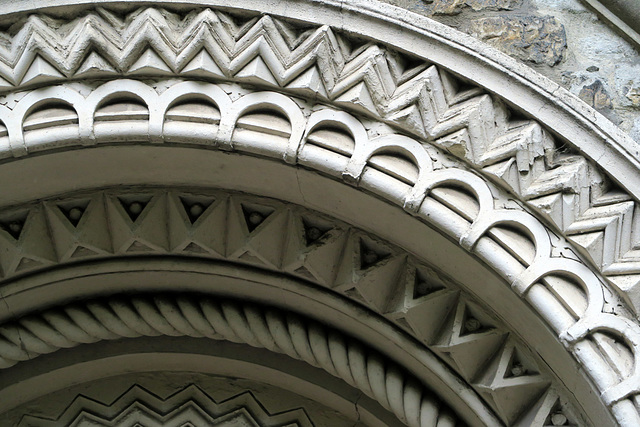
(129, 100)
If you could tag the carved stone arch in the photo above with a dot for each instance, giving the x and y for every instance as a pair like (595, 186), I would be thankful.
(399, 233)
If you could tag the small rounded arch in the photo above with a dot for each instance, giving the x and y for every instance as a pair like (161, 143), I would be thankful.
(576, 271)
(265, 101)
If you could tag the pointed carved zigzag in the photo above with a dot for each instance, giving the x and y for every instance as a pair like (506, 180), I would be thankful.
(282, 239)
(371, 80)
(370, 372)
(191, 404)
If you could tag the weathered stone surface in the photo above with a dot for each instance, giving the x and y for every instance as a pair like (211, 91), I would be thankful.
(596, 96)
(635, 130)
(627, 81)
(593, 46)
(533, 39)
(454, 7)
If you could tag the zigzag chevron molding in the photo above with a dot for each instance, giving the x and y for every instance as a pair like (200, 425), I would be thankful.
(341, 356)
(318, 63)
(334, 142)
(547, 220)
(188, 407)
(274, 236)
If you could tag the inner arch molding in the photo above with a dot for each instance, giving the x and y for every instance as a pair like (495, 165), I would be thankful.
(417, 179)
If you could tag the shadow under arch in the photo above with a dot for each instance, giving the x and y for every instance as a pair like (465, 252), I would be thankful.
(165, 166)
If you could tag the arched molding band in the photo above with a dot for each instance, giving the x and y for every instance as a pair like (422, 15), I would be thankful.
(228, 281)
(519, 155)
(198, 316)
(390, 287)
(467, 225)
(474, 127)
(222, 360)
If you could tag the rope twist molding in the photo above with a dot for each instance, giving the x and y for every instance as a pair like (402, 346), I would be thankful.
(421, 100)
(271, 235)
(253, 123)
(198, 317)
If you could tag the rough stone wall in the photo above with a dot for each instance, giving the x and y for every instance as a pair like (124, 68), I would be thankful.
(561, 39)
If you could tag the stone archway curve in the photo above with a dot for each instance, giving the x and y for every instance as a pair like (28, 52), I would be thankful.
(412, 135)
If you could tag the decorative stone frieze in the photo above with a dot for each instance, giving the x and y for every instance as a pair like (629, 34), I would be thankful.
(200, 317)
(400, 90)
(189, 406)
(269, 235)
(550, 221)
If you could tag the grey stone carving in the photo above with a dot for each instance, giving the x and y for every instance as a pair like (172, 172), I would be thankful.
(188, 407)
(550, 223)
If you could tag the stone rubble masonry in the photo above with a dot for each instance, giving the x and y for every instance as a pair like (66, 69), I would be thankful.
(530, 39)
(596, 96)
(453, 7)
(561, 39)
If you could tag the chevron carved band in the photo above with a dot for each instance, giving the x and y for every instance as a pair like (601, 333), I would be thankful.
(391, 118)
(272, 236)
(364, 77)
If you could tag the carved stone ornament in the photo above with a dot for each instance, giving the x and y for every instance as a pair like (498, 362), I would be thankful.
(188, 407)
(407, 211)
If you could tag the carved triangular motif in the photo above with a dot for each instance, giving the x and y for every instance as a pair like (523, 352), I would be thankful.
(255, 215)
(198, 219)
(472, 323)
(314, 230)
(558, 417)
(322, 258)
(512, 383)
(472, 355)
(302, 271)
(41, 71)
(425, 284)
(195, 248)
(472, 340)
(79, 222)
(25, 240)
(203, 65)
(410, 67)
(257, 72)
(292, 35)
(310, 81)
(27, 264)
(552, 205)
(81, 252)
(593, 243)
(251, 259)
(149, 63)
(138, 247)
(371, 253)
(427, 316)
(354, 294)
(238, 25)
(134, 205)
(540, 412)
(380, 284)
(518, 366)
(351, 46)
(95, 66)
(511, 401)
(359, 97)
(14, 226)
(195, 206)
(411, 118)
(74, 211)
(268, 241)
